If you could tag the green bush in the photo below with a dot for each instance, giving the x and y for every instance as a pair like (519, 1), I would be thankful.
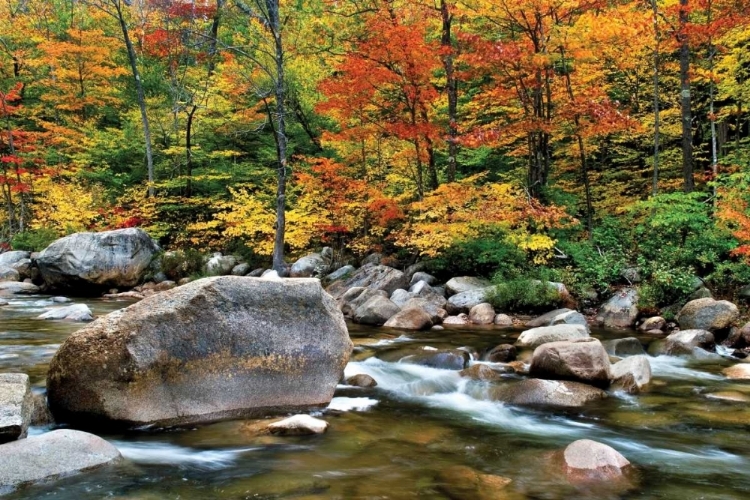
(665, 285)
(182, 263)
(524, 295)
(34, 240)
(491, 254)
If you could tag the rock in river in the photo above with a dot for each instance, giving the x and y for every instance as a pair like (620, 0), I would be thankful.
(583, 360)
(52, 455)
(213, 349)
(586, 460)
(76, 312)
(103, 260)
(553, 393)
(16, 406)
(537, 336)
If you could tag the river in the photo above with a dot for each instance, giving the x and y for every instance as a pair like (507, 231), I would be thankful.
(392, 441)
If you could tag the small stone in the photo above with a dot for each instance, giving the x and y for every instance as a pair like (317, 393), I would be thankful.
(502, 353)
(361, 380)
(460, 320)
(299, 425)
(61, 300)
(738, 372)
(503, 320)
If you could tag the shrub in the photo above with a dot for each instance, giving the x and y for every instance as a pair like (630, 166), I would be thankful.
(484, 256)
(182, 263)
(666, 285)
(34, 240)
(524, 295)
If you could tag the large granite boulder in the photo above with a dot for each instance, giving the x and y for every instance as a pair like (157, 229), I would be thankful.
(464, 284)
(583, 360)
(52, 455)
(707, 314)
(620, 311)
(216, 348)
(16, 406)
(541, 335)
(112, 259)
(374, 277)
(552, 393)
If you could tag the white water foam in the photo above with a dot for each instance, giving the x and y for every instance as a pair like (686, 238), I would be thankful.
(677, 367)
(169, 454)
(352, 404)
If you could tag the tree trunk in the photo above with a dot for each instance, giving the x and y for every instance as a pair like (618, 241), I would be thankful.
(685, 105)
(657, 117)
(280, 98)
(451, 84)
(141, 95)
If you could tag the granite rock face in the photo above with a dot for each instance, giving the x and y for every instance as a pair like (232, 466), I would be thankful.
(213, 349)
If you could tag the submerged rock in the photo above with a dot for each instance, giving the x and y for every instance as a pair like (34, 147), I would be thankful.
(586, 460)
(76, 312)
(707, 314)
(544, 334)
(108, 259)
(361, 380)
(738, 372)
(583, 360)
(464, 483)
(52, 455)
(446, 360)
(552, 393)
(16, 406)
(213, 349)
(298, 425)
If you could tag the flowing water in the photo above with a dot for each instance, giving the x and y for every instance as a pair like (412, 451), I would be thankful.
(393, 441)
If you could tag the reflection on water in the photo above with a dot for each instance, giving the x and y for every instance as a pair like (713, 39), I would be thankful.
(686, 440)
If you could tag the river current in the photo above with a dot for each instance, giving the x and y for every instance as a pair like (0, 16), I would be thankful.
(687, 436)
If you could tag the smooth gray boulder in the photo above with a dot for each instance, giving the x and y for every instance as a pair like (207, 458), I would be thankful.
(535, 337)
(546, 319)
(371, 276)
(464, 284)
(76, 312)
(684, 342)
(18, 288)
(110, 259)
(307, 266)
(707, 314)
(52, 455)
(401, 297)
(8, 259)
(240, 269)
(620, 311)
(653, 323)
(453, 359)
(422, 276)
(9, 274)
(16, 406)
(632, 374)
(355, 297)
(220, 265)
(482, 314)
(376, 311)
(215, 348)
(464, 301)
(629, 346)
(583, 360)
(421, 288)
(412, 318)
(570, 318)
(552, 393)
(340, 273)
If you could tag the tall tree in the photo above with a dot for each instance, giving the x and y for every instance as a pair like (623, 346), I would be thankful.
(686, 110)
